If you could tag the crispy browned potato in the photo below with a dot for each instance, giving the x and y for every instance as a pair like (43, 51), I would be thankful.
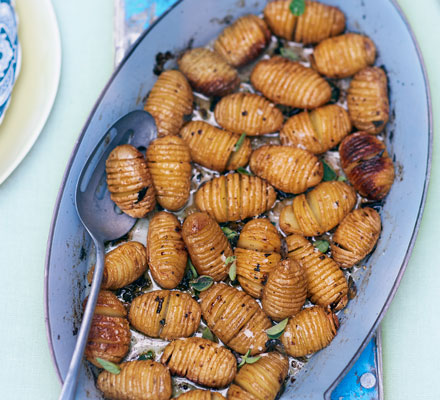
(243, 41)
(129, 181)
(169, 100)
(367, 100)
(261, 380)
(319, 210)
(248, 113)
(201, 395)
(285, 291)
(257, 253)
(344, 55)
(326, 283)
(356, 236)
(169, 162)
(235, 196)
(316, 131)
(290, 83)
(138, 380)
(310, 330)
(318, 22)
(165, 314)
(109, 336)
(365, 161)
(166, 252)
(214, 148)
(289, 169)
(208, 73)
(207, 245)
(235, 318)
(201, 361)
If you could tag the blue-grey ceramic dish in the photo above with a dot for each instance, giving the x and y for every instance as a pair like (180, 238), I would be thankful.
(408, 140)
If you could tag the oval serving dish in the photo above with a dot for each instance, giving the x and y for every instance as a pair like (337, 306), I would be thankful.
(197, 21)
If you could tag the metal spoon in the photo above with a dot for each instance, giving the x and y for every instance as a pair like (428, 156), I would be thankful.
(101, 218)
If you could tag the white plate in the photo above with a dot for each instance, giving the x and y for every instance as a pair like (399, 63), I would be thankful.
(36, 86)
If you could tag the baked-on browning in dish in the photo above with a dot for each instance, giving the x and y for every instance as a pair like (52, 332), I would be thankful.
(200, 395)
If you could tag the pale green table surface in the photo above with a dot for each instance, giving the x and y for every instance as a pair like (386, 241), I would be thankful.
(410, 329)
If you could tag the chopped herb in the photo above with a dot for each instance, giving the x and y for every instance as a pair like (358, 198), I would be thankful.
(109, 366)
(248, 360)
(239, 142)
(329, 173)
(243, 171)
(336, 92)
(233, 271)
(342, 178)
(229, 233)
(322, 245)
(149, 355)
(207, 334)
(289, 53)
(230, 260)
(297, 7)
(277, 330)
(192, 269)
(202, 283)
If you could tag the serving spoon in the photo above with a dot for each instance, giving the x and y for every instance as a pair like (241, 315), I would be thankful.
(101, 218)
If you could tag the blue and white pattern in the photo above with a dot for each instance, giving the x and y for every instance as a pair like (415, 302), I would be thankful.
(10, 55)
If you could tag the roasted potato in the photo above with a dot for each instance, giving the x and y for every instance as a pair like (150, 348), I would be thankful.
(285, 291)
(365, 161)
(261, 380)
(138, 380)
(235, 196)
(248, 113)
(170, 99)
(318, 22)
(201, 361)
(166, 252)
(109, 335)
(122, 266)
(316, 131)
(367, 100)
(290, 83)
(165, 314)
(214, 148)
(342, 56)
(235, 318)
(319, 210)
(289, 169)
(356, 236)
(201, 395)
(208, 73)
(257, 253)
(326, 283)
(129, 181)
(243, 41)
(169, 162)
(207, 245)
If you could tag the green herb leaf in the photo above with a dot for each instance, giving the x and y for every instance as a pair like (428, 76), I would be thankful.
(207, 334)
(289, 53)
(192, 268)
(342, 178)
(202, 283)
(233, 271)
(243, 171)
(230, 234)
(149, 355)
(230, 259)
(277, 330)
(239, 142)
(251, 360)
(243, 360)
(322, 245)
(109, 366)
(329, 173)
(297, 7)
(336, 92)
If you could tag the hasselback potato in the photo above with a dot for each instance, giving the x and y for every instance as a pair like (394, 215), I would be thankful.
(319, 210)
(169, 162)
(343, 56)
(261, 380)
(129, 181)
(316, 131)
(235, 318)
(122, 266)
(165, 314)
(170, 99)
(200, 395)
(319, 21)
(285, 291)
(207, 245)
(367, 100)
(257, 253)
(201, 361)
(235, 196)
(289, 169)
(326, 283)
(214, 148)
(109, 335)
(367, 165)
(243, 40)
(290, 83)
(248, 113)
(356, 236)
(208, 73)
(138, 380)
(166, 252)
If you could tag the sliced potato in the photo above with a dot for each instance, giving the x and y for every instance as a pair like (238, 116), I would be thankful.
(200, 395)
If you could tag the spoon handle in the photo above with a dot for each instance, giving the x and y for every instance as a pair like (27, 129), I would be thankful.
(69, 386)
